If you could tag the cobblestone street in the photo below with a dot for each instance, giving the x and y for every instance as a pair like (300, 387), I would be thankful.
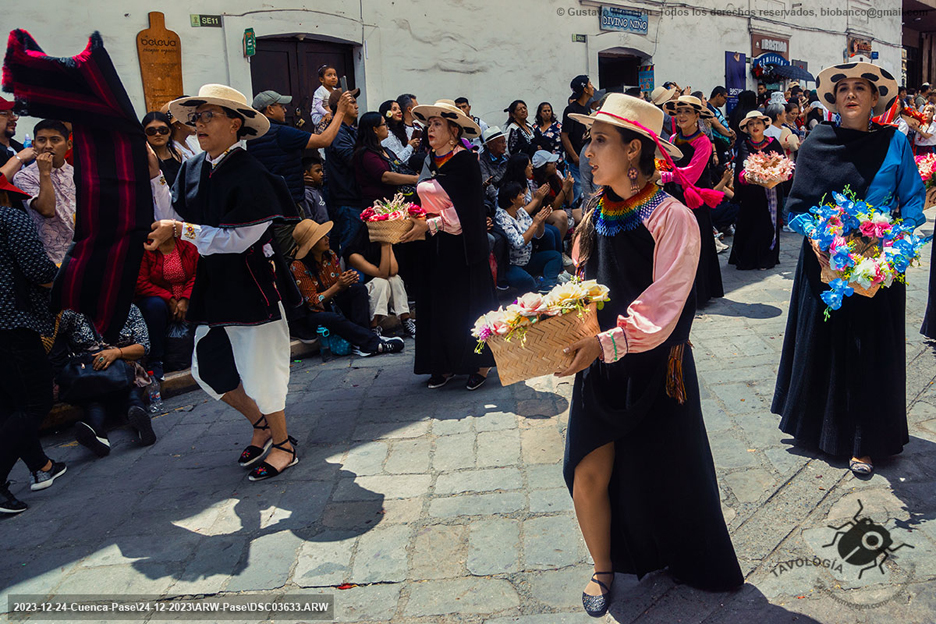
(449, 506)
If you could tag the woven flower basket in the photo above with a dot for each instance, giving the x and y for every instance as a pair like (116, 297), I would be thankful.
(865, 247)
(539, 351)
(930, 198)
(389, 231)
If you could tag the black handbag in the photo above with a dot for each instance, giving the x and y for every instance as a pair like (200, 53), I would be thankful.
(179, 345)
(79, 382)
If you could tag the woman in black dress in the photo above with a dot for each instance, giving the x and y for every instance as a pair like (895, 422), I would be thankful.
(455, 286)
(757, 231)
(638, 463)
(696, 165)
(841, 386)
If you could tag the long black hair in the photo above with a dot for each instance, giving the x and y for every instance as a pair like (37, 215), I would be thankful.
(152, 116)
(510, 111)
(366, 137)
(585, 232)
(516, 170)
(397, 128)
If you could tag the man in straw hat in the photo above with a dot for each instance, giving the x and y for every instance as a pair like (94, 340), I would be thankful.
(322, 282)
(638, 463)
(224, 201)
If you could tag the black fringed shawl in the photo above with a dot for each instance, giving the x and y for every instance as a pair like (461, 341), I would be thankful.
(114, 201)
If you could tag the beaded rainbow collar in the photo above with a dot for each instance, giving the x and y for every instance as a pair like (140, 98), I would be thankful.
(680, 139)
(760, 145)
(616, 216)
(441, 160)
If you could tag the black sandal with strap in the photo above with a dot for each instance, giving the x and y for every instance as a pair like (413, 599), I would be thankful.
(596, 606)
(252, 454)
(266, 471)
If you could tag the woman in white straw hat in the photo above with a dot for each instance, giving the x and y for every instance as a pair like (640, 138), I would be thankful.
(696, 166)
(823, 395)
(756, 242)
(454, 286)
(224, 202)
(637, 462)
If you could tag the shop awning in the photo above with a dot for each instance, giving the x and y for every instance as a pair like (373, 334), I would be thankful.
(792, 71)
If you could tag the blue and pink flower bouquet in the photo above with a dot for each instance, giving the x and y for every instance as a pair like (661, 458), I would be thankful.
(868, 248)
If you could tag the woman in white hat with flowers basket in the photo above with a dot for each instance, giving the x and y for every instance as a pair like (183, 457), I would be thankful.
(638, 463)
(454, 286)
(841, 386)
(224, 202)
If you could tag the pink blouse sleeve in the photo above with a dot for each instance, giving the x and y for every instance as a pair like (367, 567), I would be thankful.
(700, 158)
(439, 208)
(652, 317)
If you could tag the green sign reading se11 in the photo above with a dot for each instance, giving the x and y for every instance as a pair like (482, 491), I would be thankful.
(205, 21)
(250, 42)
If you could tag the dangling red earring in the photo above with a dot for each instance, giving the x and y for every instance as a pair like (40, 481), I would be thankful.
(632, 175)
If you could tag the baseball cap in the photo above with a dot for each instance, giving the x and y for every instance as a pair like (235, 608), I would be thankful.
(267, 98)
(578, 84)
(6, 104)
(336, 94)
(541, 157)
(491, 133)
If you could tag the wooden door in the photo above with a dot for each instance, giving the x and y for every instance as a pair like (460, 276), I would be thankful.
(290, 67)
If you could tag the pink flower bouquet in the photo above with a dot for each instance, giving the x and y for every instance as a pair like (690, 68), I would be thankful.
(767, 170)
(388, 220)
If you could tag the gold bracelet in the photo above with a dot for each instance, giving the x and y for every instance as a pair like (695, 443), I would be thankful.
(121, 352)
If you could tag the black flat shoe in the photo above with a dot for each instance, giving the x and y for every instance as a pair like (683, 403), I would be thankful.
(252, 454)
(266, 471)
(596, 606)
(475, 381)
(437, 381)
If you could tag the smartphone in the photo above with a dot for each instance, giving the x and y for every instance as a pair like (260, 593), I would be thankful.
(417, 133)
(344, 84)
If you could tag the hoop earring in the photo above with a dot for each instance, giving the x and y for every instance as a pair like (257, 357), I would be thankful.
(632, 175)
(452, 142)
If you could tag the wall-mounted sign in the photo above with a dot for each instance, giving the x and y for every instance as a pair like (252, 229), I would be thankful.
(735, 76)
(623, 20)
(874, 55)
(250, 42)
(645, 76)
(804, 65)
(579, 38)
(761, 44)
(160, 55)
(859, 47)
(205, 21)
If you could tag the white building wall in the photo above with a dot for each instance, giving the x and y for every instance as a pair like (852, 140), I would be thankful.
(492, 51)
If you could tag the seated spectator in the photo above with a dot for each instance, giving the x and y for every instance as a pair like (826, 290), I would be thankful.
(158, 129)
(465, 106)
(380, 174)
(313, 177)
(334, 299)
(163, 290)
(559, 196)
(77, 336)
(548, 130)
(385, 289)
(521, 229)
(50, 183)
(397, 140)
(519, 132)
(26, 273)
(493, 162)
(520, 170)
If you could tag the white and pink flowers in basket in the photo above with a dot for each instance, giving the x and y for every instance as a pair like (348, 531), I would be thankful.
(392, 209)
(516, 318)
(767, 169)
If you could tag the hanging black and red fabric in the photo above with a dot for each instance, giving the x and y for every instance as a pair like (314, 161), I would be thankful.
(113, 196)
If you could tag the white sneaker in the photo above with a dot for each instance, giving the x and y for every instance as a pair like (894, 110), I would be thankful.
(787, 228)
(720, 246)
